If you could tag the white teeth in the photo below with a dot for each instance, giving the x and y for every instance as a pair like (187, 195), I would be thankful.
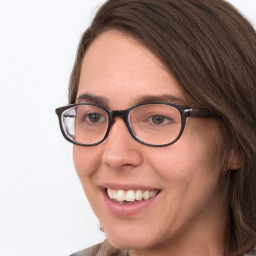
(146, 195)
(110, 193)
(123, 196)
(130, 196)
(113, 193)
(120, 195)
(138, 195)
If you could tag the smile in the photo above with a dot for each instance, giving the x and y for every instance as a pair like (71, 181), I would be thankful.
(130, 196)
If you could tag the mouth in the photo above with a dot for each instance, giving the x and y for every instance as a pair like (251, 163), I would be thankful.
(130, 196)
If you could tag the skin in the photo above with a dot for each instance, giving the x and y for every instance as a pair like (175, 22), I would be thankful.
(188, 216)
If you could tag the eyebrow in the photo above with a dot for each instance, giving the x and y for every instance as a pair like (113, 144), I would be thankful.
(103, 101)
(164, 97)
(90, 98)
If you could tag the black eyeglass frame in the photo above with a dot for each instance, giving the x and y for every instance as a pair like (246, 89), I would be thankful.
(185, 112)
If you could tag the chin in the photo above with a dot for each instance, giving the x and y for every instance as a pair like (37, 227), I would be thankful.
(128, 240)
(127, 244)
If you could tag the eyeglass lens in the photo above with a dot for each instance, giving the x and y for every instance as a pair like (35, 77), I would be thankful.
(155, 124)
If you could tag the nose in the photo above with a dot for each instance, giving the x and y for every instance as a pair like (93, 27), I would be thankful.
(121, 150)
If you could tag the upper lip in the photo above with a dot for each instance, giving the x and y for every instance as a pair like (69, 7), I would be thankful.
(126, 187)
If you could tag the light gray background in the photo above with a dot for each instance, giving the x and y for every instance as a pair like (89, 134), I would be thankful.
(43, 211)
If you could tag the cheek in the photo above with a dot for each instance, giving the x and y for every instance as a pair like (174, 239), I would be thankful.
(86, 160)
(179, 162)
(194, 158)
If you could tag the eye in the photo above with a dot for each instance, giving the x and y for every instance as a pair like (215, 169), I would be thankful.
(160, 119)
(94, 117)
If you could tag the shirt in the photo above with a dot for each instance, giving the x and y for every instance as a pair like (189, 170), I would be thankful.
(102, 249)
(105, 249)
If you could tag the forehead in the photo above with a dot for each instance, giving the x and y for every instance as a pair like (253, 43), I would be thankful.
(120, 68)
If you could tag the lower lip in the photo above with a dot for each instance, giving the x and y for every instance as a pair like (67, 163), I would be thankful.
(129, 208)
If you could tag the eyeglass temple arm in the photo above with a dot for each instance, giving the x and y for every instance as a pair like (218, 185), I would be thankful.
(201, 113)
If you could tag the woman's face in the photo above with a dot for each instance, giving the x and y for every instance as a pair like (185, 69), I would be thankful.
(120, 72)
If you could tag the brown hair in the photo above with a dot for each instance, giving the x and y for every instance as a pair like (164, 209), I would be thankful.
(211, 50)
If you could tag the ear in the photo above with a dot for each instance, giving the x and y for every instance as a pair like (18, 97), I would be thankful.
(235, 159)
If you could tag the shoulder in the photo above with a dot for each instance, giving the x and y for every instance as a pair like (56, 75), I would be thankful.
(251, 252)
(101, 249)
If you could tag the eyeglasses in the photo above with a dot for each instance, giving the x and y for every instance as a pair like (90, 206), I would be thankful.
(153, 123)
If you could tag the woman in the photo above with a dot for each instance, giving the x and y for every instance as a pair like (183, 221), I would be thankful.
(162, 117)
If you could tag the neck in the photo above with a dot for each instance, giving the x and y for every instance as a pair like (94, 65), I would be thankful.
(200, 247)
(207, 238)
